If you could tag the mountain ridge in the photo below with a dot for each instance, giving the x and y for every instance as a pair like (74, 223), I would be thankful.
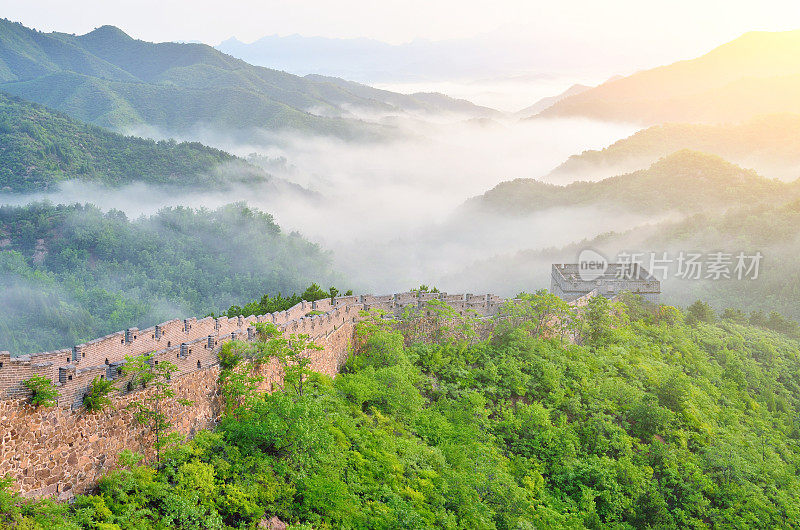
(685, 181)
(41, 148)
(108, 78)
(547, 102)
(770, 144)
(756, 73)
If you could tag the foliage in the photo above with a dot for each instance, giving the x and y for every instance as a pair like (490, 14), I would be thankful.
(17, 512)
(273, 304)
(700, 312)
(42, 148)
(43, 392)
(148, 406)
(776, 322)
(539, 314)
(97, 397)
(435, 321)
(240, 362)
(686, 181)
(112, 80)
(653, 423)
(293, 353)
(239, 378)
(73, 273)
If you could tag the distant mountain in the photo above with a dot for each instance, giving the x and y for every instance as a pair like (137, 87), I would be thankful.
(71, 273)
(768, 229)
(39, 148)
(361, 59)
(768, 144)
(373, 61)
(686, 181)
(110, 79)
(546, 103)
(420, 102)
(757, 73)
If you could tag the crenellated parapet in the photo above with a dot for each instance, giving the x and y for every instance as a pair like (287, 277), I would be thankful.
(192, 344)
(63, 450)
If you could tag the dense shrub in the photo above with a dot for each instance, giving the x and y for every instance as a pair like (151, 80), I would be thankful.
(43, 392)
(97, 397)
(651, 424)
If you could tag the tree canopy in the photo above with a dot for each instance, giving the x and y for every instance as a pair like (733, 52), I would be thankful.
(653, 423)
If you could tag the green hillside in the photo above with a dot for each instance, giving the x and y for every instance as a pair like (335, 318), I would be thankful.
(110, 79)
(39, 148)
(685, 181)
(768, 144)
(769, 229)
(73, 273)
(432, 102)
(657, 420)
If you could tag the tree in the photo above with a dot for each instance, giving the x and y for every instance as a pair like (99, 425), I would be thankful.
(291, 352)
(435, 322)
(154, 376)
(238, 380)
(596, 320)
(43, 392)
(541, 313)
(240, 361)
(734, 315)
(97, 396)
(314, 292)
(700, 312)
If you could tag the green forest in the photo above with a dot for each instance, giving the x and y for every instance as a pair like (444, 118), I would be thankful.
(685, 181)
(652, 418)
(40, 147)
(109, 79)
(771, 230)
(750, 227)
(74, 273)
(770, 144)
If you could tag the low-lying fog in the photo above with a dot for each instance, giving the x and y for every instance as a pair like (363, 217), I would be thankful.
(386, 210)
(508, 93)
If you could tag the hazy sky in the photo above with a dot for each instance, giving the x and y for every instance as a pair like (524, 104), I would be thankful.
(611, 36)
(675, 23)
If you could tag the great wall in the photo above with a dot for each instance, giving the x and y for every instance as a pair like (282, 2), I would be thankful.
(63, 450)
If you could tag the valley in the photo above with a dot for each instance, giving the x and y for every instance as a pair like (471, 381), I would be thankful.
(191, 231)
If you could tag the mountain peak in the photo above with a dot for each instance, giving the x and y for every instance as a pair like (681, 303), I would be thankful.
(231, 41)
(691, 157)
(688, 163)
(757, 73)
(107, 32)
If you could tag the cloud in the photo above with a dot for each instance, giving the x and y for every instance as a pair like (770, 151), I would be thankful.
(386, 208)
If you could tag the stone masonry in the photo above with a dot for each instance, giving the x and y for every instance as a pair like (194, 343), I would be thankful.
(63, 450)
(567, 282)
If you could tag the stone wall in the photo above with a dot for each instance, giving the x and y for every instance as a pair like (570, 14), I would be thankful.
(61, 451)
(566, 282)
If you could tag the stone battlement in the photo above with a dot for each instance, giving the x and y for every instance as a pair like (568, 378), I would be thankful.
(61, 451)
(568, 282)
(192, 344)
